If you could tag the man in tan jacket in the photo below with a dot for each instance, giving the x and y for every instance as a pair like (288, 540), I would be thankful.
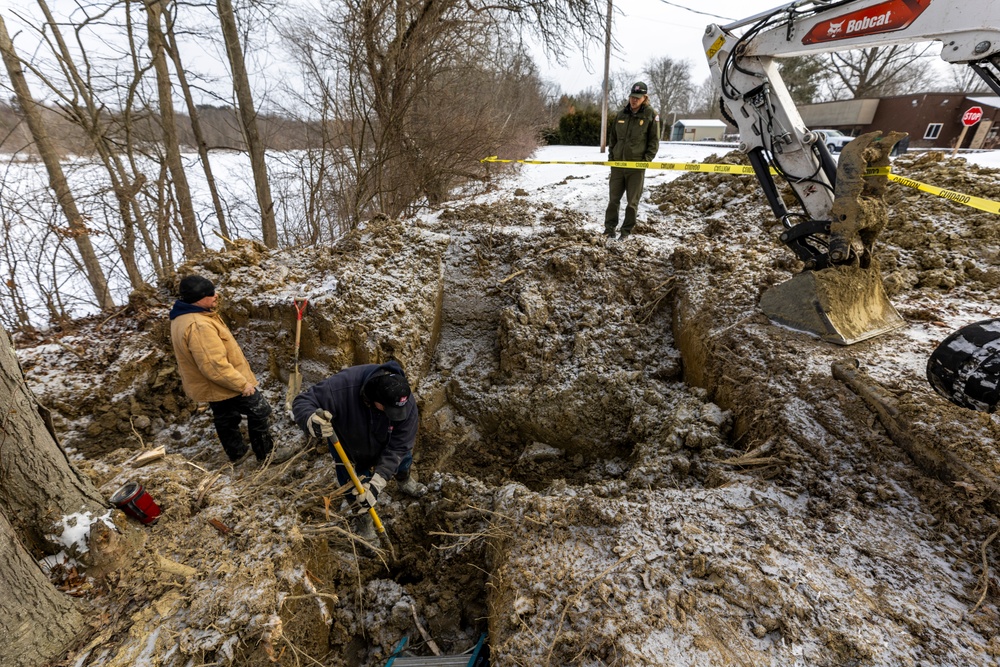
(213, 370)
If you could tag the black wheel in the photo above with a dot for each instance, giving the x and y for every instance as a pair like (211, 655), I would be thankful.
(833, 149)
(965, 367)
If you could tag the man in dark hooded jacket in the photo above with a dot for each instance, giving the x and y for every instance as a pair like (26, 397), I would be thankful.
(371, 410)
(634, 136)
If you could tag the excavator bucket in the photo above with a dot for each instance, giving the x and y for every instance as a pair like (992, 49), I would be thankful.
(845, 303)
(841, 304)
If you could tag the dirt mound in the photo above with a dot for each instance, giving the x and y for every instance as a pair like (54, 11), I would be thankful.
(628, 464)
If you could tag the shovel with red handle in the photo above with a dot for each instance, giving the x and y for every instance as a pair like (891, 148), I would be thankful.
(295, 378)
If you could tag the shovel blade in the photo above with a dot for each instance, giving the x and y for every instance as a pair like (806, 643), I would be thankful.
(294, 388)
(841, 304)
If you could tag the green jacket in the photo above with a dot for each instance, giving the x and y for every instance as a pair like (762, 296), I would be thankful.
(634, 136)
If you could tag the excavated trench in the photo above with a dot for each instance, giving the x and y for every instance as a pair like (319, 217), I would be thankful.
(628, 464)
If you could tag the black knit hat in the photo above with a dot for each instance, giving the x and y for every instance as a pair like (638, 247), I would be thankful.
(392, 391)
(195, 288)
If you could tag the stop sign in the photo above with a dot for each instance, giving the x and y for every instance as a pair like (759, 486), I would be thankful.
(972, 116)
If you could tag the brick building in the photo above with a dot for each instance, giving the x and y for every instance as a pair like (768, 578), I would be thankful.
(933, 120)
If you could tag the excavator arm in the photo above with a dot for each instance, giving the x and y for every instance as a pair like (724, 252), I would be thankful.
(837, 216)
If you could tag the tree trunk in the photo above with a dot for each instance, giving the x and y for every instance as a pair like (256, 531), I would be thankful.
(199, 135)
(39, 487)
(57, 180)
(189, 225)
(248, 120)
(85, 111)
(39, 484)
(37, 622)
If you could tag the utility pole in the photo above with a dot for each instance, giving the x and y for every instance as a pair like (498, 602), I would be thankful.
(604, 100)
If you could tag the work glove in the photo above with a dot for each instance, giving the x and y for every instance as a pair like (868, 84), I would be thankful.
(320, 424)
(367, 500)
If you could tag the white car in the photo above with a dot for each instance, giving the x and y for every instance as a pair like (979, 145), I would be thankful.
(834, 139)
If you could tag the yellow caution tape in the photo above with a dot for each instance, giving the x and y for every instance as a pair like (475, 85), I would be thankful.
(674, 166)
(975, 202)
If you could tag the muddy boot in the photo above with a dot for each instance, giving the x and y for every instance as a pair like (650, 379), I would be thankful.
(410, 486)
(364, 527)
(282, 453)
(240, 458)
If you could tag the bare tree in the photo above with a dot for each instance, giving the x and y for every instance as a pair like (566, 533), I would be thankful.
(79, 102)
(670, 86)
(619, 87)
(30, 602)
(154, 10)
(391, 67)
(57, 180)
(248, 120)
(195, 117)
(964, 79)
(706, 99)
(877, 72)
(15, 313)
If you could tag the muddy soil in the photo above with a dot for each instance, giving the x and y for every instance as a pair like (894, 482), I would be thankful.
(628, 464)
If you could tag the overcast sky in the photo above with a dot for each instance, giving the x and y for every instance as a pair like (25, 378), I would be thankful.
(648, 29)
(642, 30)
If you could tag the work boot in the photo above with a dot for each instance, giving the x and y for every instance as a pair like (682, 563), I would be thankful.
(624, 236)
(411, 487)
(282, 453)
(364, 527)
(240, 458)
(610, 233)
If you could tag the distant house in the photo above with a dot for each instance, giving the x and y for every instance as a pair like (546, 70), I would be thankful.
(697, 129)
(933, 120)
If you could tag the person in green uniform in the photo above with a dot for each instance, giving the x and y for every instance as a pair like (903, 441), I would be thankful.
(634, 136)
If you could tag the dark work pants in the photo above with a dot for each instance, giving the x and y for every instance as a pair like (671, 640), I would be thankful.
(229, 413)
(626, 182)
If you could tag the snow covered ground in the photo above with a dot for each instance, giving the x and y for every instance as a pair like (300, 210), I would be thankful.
(628, 464)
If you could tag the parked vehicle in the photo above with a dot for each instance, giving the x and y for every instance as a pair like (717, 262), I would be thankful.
(834, 139)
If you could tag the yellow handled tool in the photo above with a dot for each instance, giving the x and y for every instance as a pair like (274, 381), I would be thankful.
(357, 482)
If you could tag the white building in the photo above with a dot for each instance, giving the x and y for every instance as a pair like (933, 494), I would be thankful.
(697, 129)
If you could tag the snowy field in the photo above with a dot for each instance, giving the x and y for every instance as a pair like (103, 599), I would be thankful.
(38, 261)
(584, 186)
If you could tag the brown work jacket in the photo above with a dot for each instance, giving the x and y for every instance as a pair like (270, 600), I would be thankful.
(209, 360)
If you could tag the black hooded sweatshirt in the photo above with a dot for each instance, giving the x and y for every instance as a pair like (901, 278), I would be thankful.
(369, 439)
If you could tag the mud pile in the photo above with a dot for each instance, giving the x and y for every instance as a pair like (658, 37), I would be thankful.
(628, 464)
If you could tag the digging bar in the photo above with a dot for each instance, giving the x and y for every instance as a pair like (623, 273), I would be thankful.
(357, 483)
(295, 378)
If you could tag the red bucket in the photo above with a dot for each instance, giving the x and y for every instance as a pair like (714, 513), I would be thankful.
(134, 501)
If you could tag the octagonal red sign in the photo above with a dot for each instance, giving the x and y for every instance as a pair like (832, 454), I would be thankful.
(972, 116)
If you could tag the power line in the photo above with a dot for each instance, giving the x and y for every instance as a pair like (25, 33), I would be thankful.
(695, 11)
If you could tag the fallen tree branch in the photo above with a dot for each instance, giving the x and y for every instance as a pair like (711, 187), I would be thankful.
(423, 633)
(986, 571)
(942, 464)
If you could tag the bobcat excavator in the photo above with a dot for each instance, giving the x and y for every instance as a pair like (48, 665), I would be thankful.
(839, 295)
(840, 211)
